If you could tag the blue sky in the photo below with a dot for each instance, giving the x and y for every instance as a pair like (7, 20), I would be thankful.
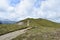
(20, 9)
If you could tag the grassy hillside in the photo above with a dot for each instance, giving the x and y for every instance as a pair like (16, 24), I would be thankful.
(7, 28)
(40, 33)
(42, 30)
(40, 22)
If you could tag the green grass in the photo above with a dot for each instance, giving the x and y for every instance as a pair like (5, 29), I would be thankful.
(7, 28)
(40, 33)
(41, 22)
(42, 30)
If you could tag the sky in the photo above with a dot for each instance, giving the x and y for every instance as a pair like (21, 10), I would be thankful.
(16, 10)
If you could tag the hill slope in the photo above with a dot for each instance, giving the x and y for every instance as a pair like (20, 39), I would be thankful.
(39, 22)
(42, 30)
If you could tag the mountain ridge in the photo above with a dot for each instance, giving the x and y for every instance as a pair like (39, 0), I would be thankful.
(39, 21)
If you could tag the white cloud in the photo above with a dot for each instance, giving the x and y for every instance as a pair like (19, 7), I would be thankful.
(49, 9)
(20, 11)
(52, 9)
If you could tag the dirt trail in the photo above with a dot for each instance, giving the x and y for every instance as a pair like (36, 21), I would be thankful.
(14, 34)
